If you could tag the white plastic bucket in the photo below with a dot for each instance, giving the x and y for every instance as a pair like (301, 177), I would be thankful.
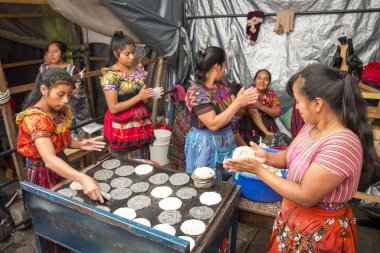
(159, 153)
(159, 148)
(162, 135)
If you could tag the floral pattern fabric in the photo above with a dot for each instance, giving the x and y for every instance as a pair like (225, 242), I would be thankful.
(116, 80)
(35, 123)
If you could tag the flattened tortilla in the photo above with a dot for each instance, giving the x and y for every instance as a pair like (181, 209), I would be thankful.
(68, 192)
(125, 170)
(186, 193)
(103, 174)
(143, 221)
(170, 203)
(193, 227)
(126, 213)
(111, 164)
(210, 198)
(139, 187)
(139, 202)
(159, 178)
(179, 179)
(166, 228)
(201, 212)
(121, 182)
(170, 217)
(143, 169)
(120, 193)
(161, 192)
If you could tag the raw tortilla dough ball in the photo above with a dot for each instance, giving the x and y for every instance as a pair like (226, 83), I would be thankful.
(243, 152)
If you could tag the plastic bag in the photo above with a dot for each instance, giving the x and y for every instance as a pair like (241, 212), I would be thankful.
(372, 208)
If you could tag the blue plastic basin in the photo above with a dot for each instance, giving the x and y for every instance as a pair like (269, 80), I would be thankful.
(254, 189)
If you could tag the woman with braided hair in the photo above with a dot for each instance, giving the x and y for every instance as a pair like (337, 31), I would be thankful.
(324, 164)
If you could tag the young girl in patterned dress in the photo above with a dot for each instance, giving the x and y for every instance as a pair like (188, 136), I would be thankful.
(212, 106)
(324, 164)
(44, 133)
(127, 123)
(260, 119)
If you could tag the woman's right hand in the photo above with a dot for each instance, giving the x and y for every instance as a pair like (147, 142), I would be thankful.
(91, 188)
(145, 93)
(246, 97)
(260, 153)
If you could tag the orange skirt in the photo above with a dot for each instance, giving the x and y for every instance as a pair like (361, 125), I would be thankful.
(300, 229)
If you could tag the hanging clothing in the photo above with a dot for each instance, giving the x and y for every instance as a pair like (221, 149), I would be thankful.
(248, 129)
(203, 147)
(133, 128)
(284, 22)
(254, 20)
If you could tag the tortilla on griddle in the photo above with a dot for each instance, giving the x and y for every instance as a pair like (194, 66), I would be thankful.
(120, 193)
(159, 178)
(170, 217)
(139, 202)
(179, 179)
(125, 170)
(111, 164)
(103, 174)
(121, 182)
(139, 187)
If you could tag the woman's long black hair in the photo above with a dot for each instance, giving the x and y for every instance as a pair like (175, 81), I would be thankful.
(118, 42)
(342, 93)
(205, 59)
(50, 78)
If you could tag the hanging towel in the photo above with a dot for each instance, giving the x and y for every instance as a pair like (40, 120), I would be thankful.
(284, 22)
(254, 20)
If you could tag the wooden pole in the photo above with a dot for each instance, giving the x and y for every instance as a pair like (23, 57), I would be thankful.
(157, 84)
(10, 127)
(90, 87)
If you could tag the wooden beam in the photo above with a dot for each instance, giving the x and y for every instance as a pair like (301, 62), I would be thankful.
(29, 15)
(368, 88)
(10, 128)
(22, 88)
(24, 1)
(368, 197)
(22, 63)
(90, 87)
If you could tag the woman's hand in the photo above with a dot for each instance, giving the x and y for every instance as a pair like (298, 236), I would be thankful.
(93, 144)
(249, 165)
(246, 96)
(91, 188)
(145, 93)
(260, 153)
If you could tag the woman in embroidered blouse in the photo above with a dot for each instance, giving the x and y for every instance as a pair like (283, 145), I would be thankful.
(212, 106)
(324, 164)
(44, 133)
(260, 119)
(127, 123)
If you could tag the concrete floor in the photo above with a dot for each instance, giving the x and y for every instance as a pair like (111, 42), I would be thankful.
(250, 239)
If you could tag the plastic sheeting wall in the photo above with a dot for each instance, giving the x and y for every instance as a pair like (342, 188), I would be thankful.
(314, 38)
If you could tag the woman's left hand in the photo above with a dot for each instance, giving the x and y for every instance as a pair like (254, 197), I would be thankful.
(249, 165)
(93, 144)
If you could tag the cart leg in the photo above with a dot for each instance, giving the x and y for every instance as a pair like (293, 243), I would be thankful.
(234, 229)
(41, 244)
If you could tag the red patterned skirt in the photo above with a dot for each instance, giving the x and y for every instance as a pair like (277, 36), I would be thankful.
(40, 175)
(130, 129)
(300, 229)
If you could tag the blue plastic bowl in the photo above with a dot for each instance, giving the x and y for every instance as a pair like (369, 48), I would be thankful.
(254, 189)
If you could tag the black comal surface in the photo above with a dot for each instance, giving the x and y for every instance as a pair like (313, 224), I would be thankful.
(152, 212)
